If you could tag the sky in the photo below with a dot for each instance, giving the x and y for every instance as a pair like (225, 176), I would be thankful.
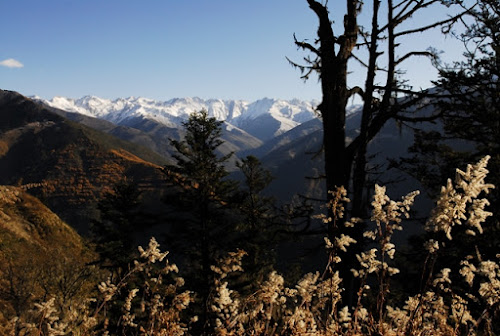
(163, 49)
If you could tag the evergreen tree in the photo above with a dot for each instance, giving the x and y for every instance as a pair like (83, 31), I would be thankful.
(120, 219)
(258, 209)
(471, 111)
(259, 222)
(470, 119)
(203, 227)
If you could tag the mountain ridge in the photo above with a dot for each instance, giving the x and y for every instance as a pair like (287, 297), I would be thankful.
(239, 114)
(72, 164)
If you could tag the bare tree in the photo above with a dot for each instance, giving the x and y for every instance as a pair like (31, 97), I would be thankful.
(333, 54)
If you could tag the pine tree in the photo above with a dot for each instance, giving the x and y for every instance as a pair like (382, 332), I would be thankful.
(471, 111)
(256, 207)
(259, 223)
(120, 219)
(470, 129)
(203, 227)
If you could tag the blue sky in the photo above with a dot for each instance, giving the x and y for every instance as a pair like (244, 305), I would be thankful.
(161, 49)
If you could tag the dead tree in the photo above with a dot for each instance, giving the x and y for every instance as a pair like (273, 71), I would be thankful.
(345, 163)
(332, 55)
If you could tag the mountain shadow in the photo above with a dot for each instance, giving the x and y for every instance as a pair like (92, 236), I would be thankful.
(68, 165)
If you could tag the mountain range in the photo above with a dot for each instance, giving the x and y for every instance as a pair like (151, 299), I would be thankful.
(263, 119)
(78, 146)
(254, 128)
(283, 134)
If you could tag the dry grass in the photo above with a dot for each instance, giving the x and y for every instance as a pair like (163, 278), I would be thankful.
(150, 299)
(132, 158)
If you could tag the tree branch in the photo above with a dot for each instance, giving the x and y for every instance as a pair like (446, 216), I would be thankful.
(306, 46)
(305, 70)
(359, 60)
(422, 29)
(324, 21)
(402, 16)
(415, 53)
(357, 90)
(419, 94)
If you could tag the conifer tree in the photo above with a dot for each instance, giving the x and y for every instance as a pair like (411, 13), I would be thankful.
(202, 197)
(257, 207)
(473, 111)
(120, 219)
(259, 223)
(470, 117)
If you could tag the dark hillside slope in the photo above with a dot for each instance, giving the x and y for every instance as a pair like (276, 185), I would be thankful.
(24, 221)
(40, 256)
(70, 164)
(146, 134)
(295, 162)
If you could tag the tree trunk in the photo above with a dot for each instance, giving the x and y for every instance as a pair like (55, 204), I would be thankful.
(333, 71)
(359, 175)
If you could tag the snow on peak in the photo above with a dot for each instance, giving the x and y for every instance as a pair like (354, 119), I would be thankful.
(172, 112)
(294, 110)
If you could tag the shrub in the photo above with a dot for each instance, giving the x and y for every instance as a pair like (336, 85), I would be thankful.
(155, 304)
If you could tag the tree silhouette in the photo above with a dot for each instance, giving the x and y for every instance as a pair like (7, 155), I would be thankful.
(119, 221)
(201, 199)
(259, 225)
(470, 122)
(332, 57)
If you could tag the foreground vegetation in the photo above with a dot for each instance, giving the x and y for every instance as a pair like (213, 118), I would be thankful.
(150, 299)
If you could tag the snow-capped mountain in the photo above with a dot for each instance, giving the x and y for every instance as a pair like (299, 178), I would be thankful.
(262, 119)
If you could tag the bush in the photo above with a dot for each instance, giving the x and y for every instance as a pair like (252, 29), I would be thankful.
(155, 304)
